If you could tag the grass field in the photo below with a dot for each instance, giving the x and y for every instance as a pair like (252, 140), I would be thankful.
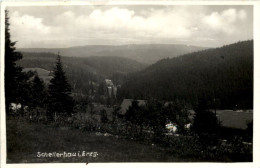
(43, 74)
(235, 119)
(26, 139)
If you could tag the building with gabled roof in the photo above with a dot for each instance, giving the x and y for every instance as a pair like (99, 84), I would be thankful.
(127, 103)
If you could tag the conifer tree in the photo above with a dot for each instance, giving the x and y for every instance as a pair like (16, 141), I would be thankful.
(60, 101)
(205, 123)
(39, 93)
(12, 71)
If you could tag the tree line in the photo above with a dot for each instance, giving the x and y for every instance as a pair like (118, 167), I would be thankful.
(29, 91)
(154, 115)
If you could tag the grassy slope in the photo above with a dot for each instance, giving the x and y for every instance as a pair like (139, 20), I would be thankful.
(233, 119)
(26, 139)
(43, 73)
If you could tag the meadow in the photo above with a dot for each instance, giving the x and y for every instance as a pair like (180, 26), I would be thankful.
(25, 140)
(235, 119)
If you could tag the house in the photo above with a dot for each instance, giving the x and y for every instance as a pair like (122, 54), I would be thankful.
(171, 127)
(127, 103)
(111, 89)
(109, 82)
(15, 107)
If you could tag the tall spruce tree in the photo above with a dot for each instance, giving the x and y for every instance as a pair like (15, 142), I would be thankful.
(13, 73)
(60, 102)
(39, 92)
(205, 123)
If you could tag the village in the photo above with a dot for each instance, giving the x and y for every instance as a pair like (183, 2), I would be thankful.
(106, 107)
(155, 83)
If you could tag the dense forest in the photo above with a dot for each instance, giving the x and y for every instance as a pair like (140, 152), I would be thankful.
(224, 75)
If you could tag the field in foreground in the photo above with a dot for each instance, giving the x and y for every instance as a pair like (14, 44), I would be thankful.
(25, 140)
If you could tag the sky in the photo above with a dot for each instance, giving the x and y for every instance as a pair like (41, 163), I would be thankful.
(66, 26)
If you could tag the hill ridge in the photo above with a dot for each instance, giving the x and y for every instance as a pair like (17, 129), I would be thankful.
(226, 72)
(144, 53)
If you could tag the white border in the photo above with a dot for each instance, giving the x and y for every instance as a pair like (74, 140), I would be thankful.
(256, 149)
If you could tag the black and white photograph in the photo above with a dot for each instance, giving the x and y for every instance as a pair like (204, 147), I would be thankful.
(128, 83)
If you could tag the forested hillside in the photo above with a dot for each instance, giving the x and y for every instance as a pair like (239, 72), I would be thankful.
(145, 53)
(224, 75)
(81, 71)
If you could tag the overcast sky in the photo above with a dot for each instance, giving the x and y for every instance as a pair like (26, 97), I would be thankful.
(66, 26)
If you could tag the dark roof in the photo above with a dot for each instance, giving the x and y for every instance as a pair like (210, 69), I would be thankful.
(128, 102)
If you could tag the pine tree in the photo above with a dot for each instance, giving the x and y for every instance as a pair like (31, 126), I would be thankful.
(39, 93)
(12, 71)
(60, 101)
(205, 121)
(205, 124)
(24, 93)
